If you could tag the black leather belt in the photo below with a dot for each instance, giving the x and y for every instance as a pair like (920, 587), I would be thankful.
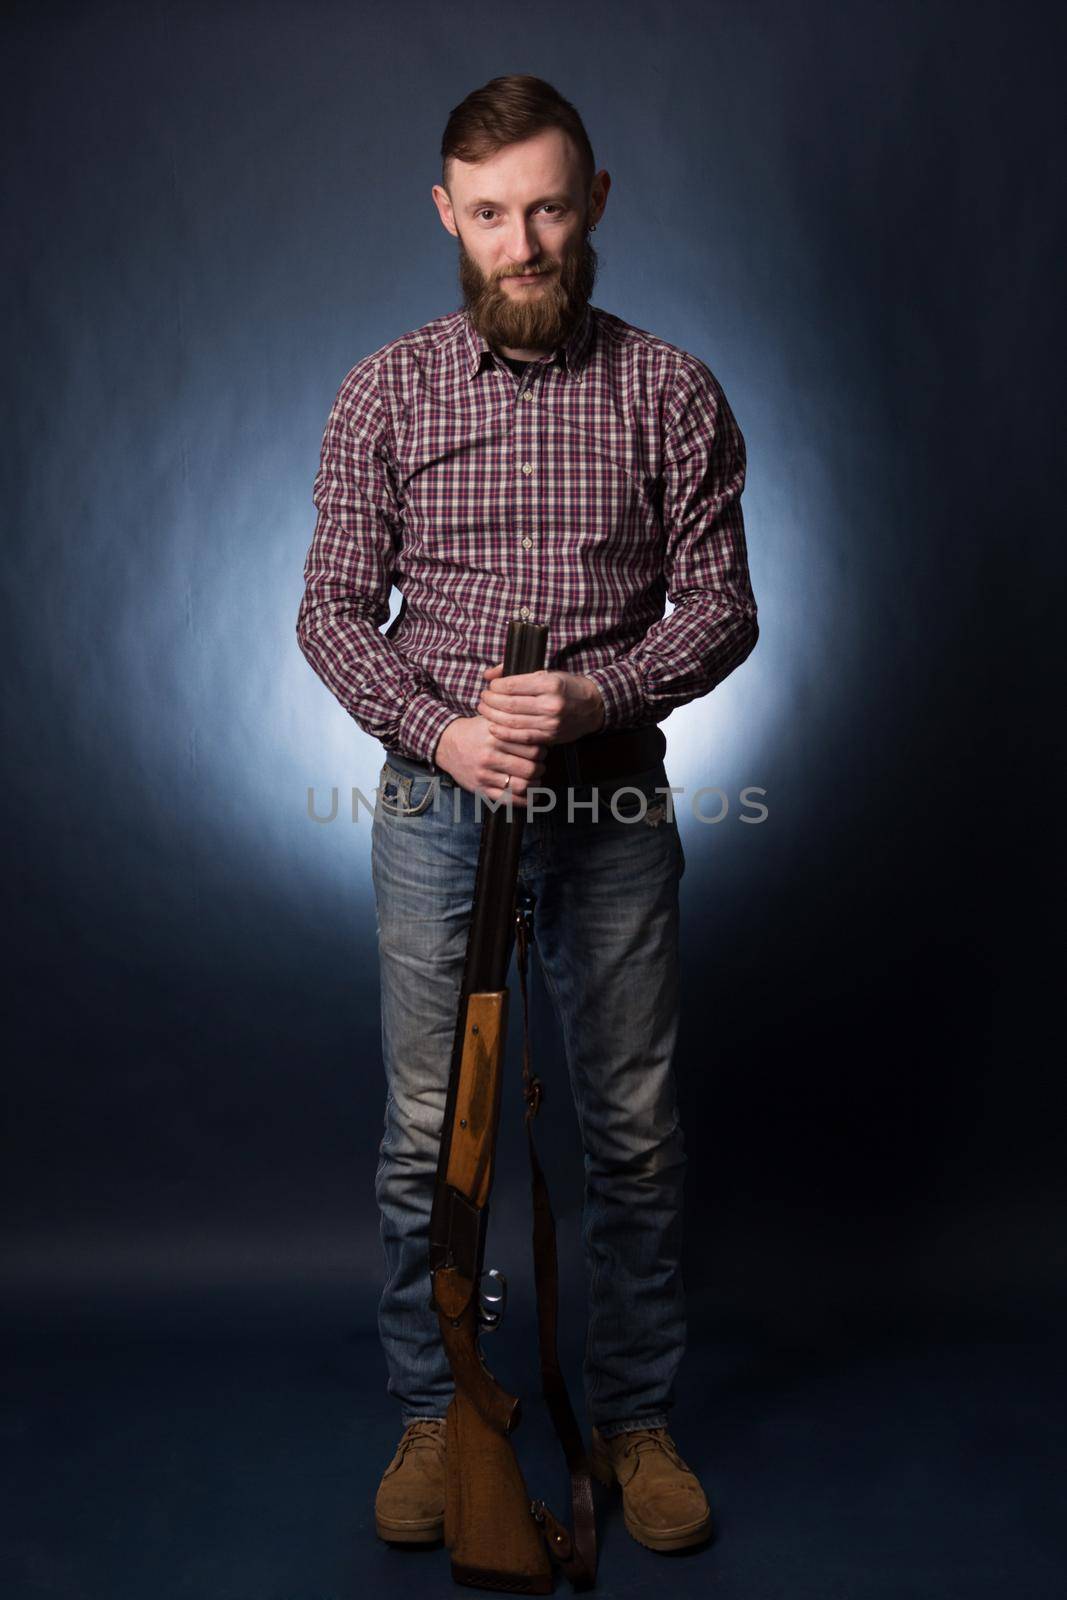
(599, 756)
(595, 758)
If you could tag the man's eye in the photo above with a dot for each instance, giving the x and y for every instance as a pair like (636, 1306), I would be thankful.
(486, 211)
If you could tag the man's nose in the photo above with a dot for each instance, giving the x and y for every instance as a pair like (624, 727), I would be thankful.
(523, 245)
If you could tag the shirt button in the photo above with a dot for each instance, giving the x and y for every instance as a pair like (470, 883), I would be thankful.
(526, 543)
(528, 394)
(527, 468)
(524, 611)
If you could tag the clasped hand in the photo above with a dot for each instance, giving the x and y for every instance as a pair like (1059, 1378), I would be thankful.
(502, 747)
(540, 708)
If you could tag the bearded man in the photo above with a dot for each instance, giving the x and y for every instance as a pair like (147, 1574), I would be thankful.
(533, 456)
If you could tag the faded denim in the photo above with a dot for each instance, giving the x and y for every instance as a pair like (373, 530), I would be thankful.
(605, 922)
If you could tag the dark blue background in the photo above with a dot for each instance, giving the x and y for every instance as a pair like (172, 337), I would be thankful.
(851, 213)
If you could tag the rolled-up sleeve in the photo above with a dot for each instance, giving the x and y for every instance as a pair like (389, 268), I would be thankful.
(348, 576)
(713, 625)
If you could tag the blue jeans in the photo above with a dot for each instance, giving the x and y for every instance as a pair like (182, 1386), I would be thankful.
(605, 925)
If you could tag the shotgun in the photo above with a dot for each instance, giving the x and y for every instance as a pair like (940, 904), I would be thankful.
(498, 1537)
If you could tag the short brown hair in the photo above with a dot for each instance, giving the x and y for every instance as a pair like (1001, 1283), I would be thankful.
(505, 111)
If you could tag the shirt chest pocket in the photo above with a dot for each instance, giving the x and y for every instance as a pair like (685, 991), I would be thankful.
(450, 472)
(604, 496)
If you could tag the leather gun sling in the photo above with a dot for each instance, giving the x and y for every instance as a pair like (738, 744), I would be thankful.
(575, 1552)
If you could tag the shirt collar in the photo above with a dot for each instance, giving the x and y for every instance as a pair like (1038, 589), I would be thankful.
(478, 353)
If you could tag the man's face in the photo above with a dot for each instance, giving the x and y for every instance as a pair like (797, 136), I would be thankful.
(524, 211)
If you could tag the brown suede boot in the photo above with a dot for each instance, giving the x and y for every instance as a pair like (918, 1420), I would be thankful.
(409, 1507)
(663, 1505)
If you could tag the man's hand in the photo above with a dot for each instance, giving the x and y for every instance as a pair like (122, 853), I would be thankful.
(540, 708)
(479, 761)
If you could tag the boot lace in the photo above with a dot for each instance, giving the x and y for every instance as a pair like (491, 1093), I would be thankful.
(646, 1440)
(424, 1431)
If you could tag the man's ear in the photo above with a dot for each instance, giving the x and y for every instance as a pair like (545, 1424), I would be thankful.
(444, 209)
(599, 194)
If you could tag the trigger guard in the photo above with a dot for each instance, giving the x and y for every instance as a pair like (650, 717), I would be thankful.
(491, 1308)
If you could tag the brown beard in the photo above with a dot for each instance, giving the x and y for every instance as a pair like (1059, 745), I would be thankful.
(541, 320)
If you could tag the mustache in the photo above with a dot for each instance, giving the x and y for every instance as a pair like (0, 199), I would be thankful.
(548, 318)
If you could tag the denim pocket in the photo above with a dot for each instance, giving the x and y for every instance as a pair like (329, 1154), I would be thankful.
(631, 801)
(634, 798)
(402, 795)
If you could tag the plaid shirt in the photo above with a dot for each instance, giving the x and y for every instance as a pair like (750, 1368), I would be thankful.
(582, 494)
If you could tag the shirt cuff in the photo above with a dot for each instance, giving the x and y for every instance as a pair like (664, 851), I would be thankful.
(425, 719)
(623, 694)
